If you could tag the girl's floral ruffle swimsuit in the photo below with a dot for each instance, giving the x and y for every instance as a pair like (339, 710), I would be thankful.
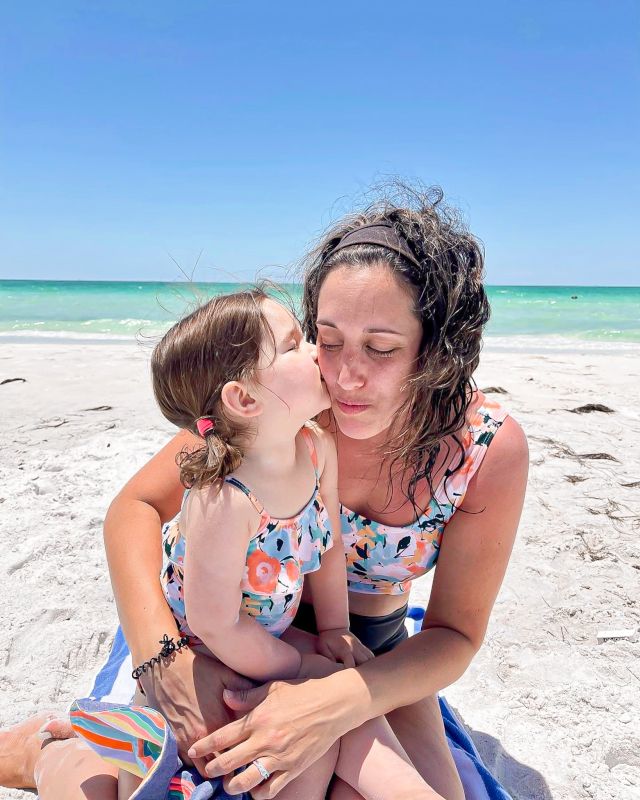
(384, 559)
(278, 556)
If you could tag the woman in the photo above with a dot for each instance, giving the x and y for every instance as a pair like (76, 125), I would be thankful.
(428, 471)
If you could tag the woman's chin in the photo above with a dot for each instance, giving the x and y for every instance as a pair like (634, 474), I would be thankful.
(358, 426)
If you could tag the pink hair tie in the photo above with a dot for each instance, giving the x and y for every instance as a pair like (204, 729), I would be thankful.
(204, 425)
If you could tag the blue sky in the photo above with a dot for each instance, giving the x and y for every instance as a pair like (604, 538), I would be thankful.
(135, 133)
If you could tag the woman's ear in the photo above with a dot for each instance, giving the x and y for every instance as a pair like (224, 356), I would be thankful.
(239, 401)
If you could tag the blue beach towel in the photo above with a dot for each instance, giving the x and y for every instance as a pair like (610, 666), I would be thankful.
(113, 686)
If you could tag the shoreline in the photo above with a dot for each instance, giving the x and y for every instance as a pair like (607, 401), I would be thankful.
(518, 343)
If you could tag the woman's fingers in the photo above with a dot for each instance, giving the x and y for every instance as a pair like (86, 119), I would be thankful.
(272, 787)
(250, 778)
(224, 737)
(225, 763)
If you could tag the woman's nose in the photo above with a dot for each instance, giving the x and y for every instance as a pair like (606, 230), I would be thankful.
(350, 376)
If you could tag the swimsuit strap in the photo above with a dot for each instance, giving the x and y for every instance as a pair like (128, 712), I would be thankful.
(250, 495)
(311, 446)
(308, 438)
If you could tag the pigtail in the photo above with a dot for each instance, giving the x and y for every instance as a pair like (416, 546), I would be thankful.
(211, 463)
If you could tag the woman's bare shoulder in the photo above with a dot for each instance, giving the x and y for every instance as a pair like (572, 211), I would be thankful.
(505, 460)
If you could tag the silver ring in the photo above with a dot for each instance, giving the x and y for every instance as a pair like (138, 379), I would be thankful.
(264, 772)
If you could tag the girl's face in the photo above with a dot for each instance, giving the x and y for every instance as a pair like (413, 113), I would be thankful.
(291, 386)
(368, 343)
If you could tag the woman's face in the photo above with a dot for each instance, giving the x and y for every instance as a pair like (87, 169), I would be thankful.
(368, 342)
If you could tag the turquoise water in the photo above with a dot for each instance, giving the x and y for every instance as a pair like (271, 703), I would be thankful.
(112, 310)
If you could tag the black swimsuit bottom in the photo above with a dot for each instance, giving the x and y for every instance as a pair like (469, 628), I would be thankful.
(379, 634)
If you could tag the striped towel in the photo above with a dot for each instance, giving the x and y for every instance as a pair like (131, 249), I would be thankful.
(113, 684)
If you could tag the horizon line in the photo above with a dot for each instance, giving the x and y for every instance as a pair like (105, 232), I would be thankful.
(282, 283)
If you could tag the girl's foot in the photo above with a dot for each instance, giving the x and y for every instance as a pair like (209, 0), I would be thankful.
(21, 744)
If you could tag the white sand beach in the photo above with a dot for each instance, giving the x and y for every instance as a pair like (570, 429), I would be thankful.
(555, 713)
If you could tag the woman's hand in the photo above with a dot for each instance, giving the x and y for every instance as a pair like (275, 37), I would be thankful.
(342, 647)
(289, 726)
(188, 692)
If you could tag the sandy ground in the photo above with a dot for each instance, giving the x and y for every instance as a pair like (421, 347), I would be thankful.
(555, 713)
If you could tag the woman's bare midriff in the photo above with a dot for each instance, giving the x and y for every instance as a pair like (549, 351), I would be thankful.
(376, 605)
(369, 605)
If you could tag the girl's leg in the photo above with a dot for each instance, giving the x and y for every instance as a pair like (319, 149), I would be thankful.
(373, 762)
(313, 783)
(371, 759)
(420, 730)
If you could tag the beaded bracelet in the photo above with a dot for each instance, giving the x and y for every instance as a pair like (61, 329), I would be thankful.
(168, 647)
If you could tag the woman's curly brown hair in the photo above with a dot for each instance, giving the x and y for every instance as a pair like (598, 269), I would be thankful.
(450, 300)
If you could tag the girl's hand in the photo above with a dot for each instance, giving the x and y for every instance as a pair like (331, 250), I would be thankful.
(188, 692)
(289, 726)
(341, 646)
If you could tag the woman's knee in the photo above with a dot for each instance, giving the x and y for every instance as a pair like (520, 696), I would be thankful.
(70, 769)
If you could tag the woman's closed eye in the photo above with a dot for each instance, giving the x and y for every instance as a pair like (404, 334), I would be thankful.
(381, 353)
(373, 351)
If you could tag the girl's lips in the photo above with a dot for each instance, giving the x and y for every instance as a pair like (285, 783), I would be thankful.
(351, 408)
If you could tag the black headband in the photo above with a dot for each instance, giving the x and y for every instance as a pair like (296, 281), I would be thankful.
(380, 233)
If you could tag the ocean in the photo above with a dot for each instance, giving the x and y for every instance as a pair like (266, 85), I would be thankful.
(533, 316)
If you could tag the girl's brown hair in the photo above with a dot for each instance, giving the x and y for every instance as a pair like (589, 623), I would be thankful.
(220, 341)
(446, 283)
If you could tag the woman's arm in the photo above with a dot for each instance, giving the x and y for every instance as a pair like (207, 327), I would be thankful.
(297, 723)
(189, 690)
(218, 525)
(472, 562)
(132, 538)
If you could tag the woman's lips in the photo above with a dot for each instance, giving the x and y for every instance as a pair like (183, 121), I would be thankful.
(351, 408)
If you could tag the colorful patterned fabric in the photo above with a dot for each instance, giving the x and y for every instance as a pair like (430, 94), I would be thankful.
(384, 559)
(278, 556)
(138, 739)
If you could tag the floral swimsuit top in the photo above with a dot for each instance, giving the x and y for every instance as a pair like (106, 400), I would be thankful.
(384, 559)
(278, 556)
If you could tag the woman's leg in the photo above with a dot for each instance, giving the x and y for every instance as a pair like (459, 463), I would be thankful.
(71, 770)
(59, 769)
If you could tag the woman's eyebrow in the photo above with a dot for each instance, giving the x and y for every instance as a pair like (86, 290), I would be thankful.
(328, 324)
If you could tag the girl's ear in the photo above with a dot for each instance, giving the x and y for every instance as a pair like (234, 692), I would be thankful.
(237, 399)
